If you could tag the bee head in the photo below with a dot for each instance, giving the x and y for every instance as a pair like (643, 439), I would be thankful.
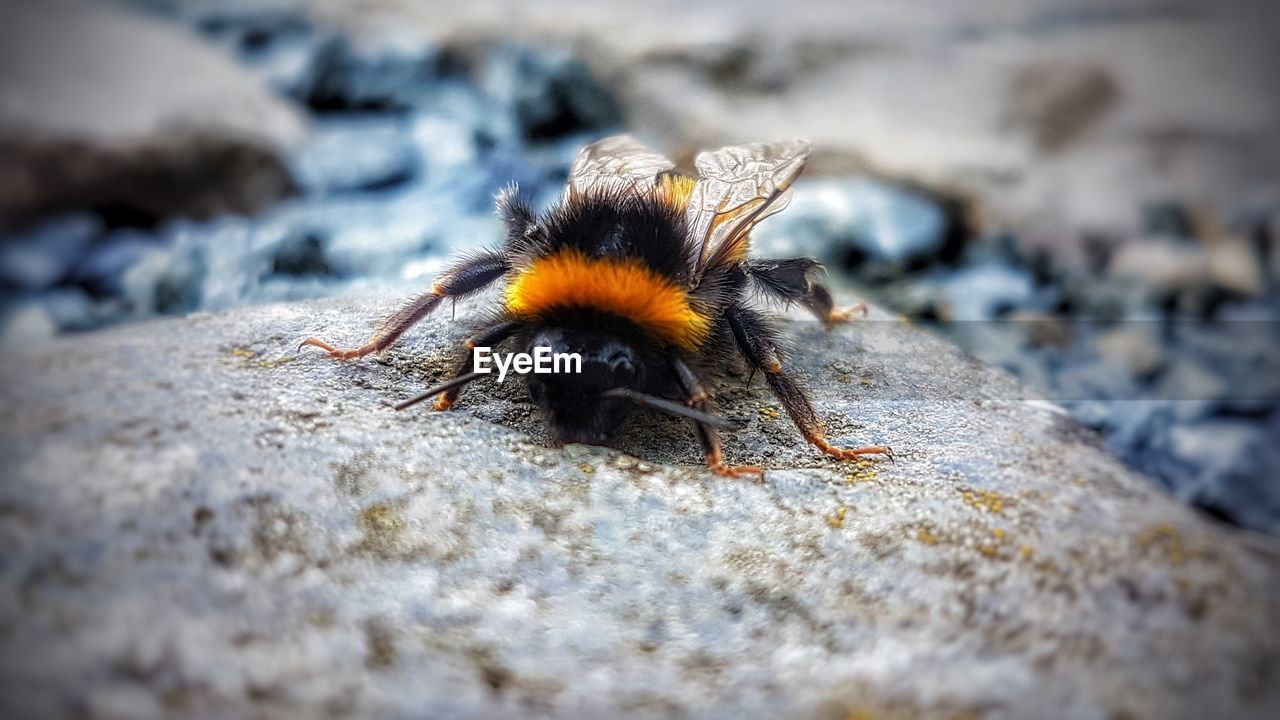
(574, 403)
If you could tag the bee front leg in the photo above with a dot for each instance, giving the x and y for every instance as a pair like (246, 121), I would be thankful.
(710, 442)
(448, 391)
(696, 396)
(472, 275)
(488, 337)
(395, 325)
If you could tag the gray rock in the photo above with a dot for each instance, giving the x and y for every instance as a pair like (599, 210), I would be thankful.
(166, 281)
(885, 226)
(369, 153)
(1231, 465)
(1225, 465)
(200, 520)
(278, 44)
(301, 254)
(26, 321)
(103, 267)
(539, 92)
(1161, 265)
(40, 316)
(1136, 347)
(43, 255)
(1054, 103)
(384, 74)
(548, 90)
(98, 107)
(1235, 266)
(70, 307)
(985, 291)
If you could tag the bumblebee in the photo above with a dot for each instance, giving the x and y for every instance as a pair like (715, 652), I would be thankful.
(644, 273)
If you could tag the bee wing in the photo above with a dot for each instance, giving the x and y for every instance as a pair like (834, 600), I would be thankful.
(738, 187)
(620, 160)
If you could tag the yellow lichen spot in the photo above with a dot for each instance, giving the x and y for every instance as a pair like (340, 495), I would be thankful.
(998, 533)
(987, 549)
(858, 714)
(987, 500)
(836, 519)
(926, 536)
(1026, 551)
(866, 382)
(586, 469)
(1166, 539)
(862, 471)
(380, 521)
(248, 356)
(769, 413)
(1081, 482)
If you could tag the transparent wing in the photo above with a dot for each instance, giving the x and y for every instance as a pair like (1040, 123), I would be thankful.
(620, 160)
(738, 187)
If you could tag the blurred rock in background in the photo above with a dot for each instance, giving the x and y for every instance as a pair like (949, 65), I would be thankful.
(1052, 118)
(1085, 195)
(287, 160)
(130, 117)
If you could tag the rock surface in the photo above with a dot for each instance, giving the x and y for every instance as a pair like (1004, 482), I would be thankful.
(105, 108)
(198, 520)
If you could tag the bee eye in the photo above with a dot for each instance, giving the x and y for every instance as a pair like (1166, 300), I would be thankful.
(620, 363)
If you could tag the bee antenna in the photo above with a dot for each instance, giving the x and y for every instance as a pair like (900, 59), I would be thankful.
(442, 387)
(669, 407)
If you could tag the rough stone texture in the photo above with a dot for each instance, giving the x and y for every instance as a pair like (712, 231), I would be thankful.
(1053, 117)
(199, 520)
(103, 107)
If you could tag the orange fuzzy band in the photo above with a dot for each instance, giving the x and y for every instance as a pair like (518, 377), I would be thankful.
(625, 288)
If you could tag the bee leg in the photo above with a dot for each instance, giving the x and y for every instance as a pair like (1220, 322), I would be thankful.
(792, 281)
(696, 396)
(487, 337)
(819, 302)
(806, 419)
(758, 344)
(469, 276)
(715, 458)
